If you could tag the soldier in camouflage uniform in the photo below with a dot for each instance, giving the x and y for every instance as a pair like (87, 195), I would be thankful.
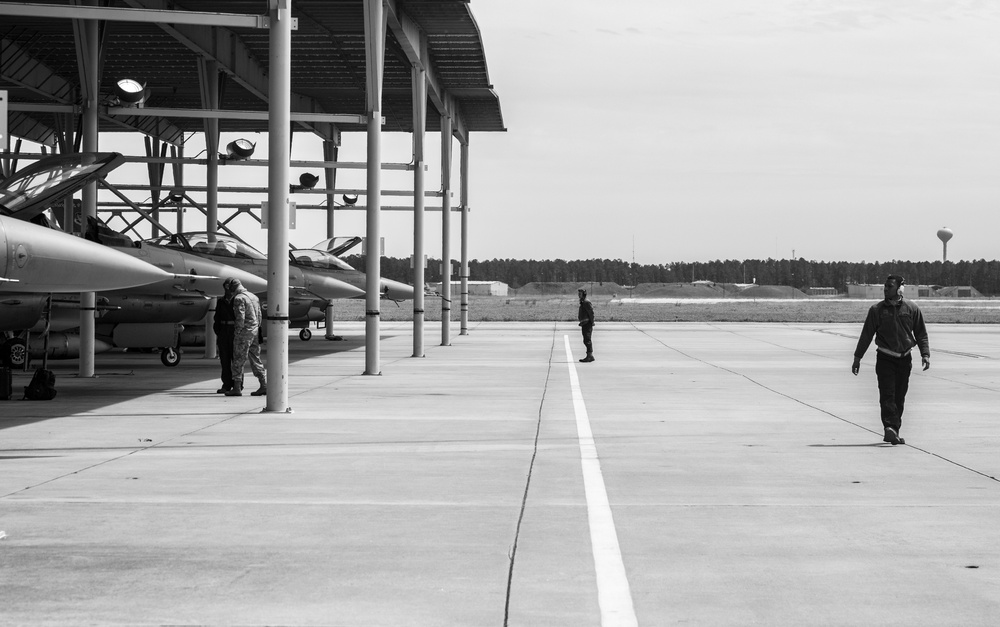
(246, 310)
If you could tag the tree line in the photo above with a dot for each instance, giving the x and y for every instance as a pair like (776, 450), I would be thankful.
(798, 273)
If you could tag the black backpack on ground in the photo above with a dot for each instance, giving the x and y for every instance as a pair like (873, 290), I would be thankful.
(42, 386)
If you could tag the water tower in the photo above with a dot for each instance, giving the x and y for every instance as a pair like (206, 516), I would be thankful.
(945, 234)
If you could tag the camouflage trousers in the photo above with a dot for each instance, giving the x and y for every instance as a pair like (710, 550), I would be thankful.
(246, 345)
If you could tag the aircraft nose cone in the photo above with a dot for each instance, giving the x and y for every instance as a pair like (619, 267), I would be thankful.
(396, 290)
(220, 272)
(331, 289)
(52, 261)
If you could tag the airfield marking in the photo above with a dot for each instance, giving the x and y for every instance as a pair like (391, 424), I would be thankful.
(613, 593)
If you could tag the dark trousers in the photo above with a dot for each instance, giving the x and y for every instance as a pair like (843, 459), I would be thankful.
(893, 380)
(224, 340)
(588, 332)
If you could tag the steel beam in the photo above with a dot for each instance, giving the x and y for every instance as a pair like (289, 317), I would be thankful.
(112, 14)
(232, 114)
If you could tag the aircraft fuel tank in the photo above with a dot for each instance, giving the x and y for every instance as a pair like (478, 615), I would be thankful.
(63, 346)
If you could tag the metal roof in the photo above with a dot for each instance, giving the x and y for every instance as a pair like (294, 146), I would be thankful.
(39, 65)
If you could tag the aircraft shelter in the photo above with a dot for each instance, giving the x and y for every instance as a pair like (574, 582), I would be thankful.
(73, 69)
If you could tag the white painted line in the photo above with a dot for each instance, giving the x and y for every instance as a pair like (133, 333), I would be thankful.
(613, 593)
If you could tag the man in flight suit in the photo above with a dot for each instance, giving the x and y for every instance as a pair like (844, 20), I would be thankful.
(248, 315)
(225, 326)
(586, 317)
(897, 326)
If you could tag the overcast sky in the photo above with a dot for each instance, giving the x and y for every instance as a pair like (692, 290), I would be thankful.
(681, 130)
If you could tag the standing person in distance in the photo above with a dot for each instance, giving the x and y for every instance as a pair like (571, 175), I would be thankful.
(897, 327)
(224, 324)
(586, 318)
(248, 315)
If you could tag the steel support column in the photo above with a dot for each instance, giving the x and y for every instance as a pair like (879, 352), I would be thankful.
(91, 81)
(178, 169)
(278, 133)
(464, 208)
(445, 230)
(419, 129)
(331, 152)
(208, 71)
(374, 56)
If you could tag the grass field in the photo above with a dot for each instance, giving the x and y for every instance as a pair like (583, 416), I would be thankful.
(564, 308)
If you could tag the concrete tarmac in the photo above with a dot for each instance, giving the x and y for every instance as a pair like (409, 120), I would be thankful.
(742, 465)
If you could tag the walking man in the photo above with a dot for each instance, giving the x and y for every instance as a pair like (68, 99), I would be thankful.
(586, 317)
(897, 327)
(225, 327)
(247, 315)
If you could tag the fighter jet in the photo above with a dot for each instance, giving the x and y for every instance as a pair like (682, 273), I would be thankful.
(34, 259)
(304, 283)
(155, 315)
(310, 289)
(340, 269)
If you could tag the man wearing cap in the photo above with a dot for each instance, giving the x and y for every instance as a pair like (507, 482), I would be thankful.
(586, 318)
(247, 317)
(897, 327)
(224, 324)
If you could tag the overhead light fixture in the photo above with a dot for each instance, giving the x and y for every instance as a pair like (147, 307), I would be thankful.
(306, 181)
(350, 199)
(238, 150)
(176, 195)
(130, 93)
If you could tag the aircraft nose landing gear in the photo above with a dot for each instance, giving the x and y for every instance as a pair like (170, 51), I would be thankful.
(170, 357)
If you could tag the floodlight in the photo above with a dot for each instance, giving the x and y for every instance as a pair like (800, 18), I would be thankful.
(176, 195)
(130, 93)
(239, 149)
(350, 199)
(306, 181)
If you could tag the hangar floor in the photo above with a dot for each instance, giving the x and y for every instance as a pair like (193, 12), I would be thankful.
(745, 477)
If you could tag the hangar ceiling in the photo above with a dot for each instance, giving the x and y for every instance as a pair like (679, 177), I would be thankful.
(39, 67)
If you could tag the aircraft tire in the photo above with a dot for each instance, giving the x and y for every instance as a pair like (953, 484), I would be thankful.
(170, 357)
(305, 335)
(14, 353)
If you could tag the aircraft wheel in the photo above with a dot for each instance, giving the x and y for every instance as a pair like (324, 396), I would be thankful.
(14, 353)
(305, 335)
(170, 357)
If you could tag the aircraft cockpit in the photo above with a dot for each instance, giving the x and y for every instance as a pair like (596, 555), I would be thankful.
(199, 242)
(319, 259)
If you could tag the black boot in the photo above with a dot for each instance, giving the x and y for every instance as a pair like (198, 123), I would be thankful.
(237, 389)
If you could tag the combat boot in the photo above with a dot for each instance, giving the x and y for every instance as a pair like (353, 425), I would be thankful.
(589, 358)
(237, 389)
(262, 390)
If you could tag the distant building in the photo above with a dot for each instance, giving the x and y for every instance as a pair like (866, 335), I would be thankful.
(476, 288)
(959, 291)
(913, 292)
(822, 291)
